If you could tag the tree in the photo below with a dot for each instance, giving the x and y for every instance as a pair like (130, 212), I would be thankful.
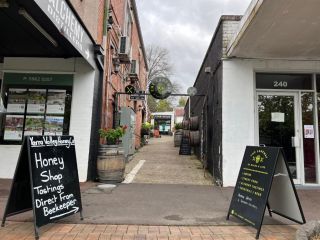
(182, 101)
(152, 103)
(164, 106)
(158, 62)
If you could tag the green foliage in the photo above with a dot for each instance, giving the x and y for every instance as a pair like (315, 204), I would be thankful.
(178, 126)
(112, 135)
(182, 101)
(146, 126)
(164, 106)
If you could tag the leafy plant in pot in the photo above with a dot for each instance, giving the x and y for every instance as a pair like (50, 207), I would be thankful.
(112, 135)
(145, 128)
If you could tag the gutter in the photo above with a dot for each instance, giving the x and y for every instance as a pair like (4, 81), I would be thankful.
(136, 16)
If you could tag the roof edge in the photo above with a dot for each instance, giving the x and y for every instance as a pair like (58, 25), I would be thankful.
(222, 18)
(243, 25)
(135, 12)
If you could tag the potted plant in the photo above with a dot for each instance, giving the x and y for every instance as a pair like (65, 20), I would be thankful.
(112, 135)
(145, 128)
(177, 126)
(111, 159)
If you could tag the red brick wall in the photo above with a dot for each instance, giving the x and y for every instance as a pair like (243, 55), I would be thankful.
(91, 12)
(117, 82)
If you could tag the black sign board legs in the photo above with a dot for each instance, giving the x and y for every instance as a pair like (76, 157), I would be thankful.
(45, 181)
(264, 182)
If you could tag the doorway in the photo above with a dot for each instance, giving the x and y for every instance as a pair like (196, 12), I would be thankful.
(286, 119)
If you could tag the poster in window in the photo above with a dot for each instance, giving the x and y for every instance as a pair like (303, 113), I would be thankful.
(34, 125)
(36, 101)
(53, 125)
(16, 100)
(56, 101)
(308, 131)
(13, 127)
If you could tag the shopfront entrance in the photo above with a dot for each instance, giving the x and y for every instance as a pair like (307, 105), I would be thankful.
(287, 119)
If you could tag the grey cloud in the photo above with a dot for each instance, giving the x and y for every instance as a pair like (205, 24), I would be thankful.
(185, 28)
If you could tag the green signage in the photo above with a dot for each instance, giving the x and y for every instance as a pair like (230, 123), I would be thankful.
(38, 79)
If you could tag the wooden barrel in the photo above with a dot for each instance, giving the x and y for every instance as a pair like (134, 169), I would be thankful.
(177, 138)
(194, 138)
(194, 123)
(186, 133)
(111, 163)
(185, 124)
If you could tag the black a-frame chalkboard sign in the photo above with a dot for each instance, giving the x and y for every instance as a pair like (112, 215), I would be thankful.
(185, 148)
(45, 180)
(264, 182)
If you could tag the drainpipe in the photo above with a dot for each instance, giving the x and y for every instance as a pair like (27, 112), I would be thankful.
(107, 63)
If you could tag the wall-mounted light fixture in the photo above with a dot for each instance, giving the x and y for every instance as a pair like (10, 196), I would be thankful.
(27, 16)
(116, 64)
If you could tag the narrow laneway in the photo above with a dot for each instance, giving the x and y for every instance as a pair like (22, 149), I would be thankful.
(163, 165)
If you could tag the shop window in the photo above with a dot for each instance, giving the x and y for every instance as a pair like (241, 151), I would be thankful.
(38, 109)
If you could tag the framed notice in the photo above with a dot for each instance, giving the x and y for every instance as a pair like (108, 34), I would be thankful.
(13, 127)
(53, 125)
(16, 100)
(56, 101)
(36, 101)
(34, 125)
(308, 131)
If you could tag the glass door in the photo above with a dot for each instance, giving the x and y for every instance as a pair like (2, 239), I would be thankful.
(279, 126)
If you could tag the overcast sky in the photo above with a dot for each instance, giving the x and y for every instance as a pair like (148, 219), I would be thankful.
(185, 28)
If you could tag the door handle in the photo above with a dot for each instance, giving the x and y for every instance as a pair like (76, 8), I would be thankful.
(295, 142)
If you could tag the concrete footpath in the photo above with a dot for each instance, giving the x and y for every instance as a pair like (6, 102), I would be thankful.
(155, 211)
(182, 205)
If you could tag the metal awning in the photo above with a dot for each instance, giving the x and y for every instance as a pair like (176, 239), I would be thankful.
(278, 29)
(27, 30)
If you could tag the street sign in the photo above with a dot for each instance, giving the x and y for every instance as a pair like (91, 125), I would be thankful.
(192, 91)
(137, 97)
(264, 181)
(129, 89)
(160, 88)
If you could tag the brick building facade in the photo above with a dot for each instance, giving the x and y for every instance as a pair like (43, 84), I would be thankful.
(72, 48)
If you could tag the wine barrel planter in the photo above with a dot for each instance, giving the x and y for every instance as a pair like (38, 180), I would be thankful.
(185, 124)
(194, 123)
(177, 138)
(111, 163)
(194, 138)
(186, 133)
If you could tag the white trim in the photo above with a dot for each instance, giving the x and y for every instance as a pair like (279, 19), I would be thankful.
(129, 178)
(44, 72)
(297, 125)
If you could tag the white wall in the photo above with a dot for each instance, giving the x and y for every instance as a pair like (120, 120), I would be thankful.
(238, 110)
(81, 114)
(81, 109)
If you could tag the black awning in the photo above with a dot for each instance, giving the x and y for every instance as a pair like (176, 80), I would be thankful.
(25, 31)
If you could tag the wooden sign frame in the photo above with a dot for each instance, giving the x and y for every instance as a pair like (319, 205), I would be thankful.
(22, 193)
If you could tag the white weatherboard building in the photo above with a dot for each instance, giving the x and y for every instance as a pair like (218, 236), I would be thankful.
(261, 75)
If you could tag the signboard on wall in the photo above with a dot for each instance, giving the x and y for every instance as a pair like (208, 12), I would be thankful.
(64, 18)
(46, 180)
(264, 181)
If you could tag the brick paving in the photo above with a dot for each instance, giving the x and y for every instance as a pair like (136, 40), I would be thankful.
(24, 231)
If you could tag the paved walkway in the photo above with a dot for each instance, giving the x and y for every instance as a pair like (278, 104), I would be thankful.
(164, 165)
(189, 208)
(24, 231)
